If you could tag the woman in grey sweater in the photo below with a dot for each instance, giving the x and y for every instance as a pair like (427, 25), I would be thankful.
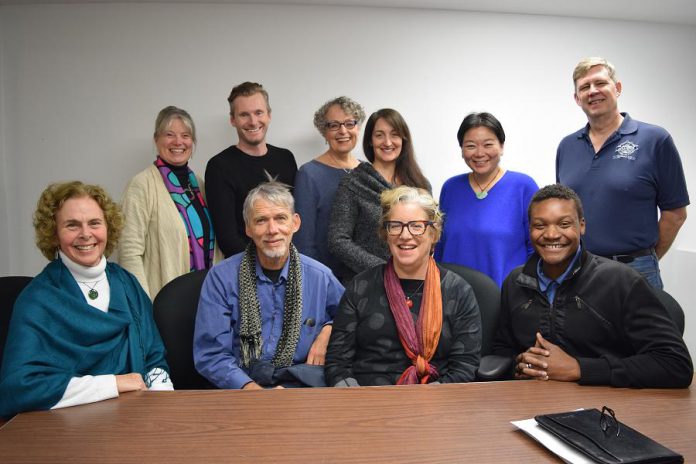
(353, 238)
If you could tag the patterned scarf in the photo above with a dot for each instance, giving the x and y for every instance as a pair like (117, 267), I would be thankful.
(419, 340)
(250, 311)
(201, 248)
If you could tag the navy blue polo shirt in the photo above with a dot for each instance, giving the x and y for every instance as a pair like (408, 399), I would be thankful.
(637, 171)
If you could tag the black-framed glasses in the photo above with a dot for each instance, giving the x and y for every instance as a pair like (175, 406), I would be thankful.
(607, 420)
(336, 125)
(414, 227)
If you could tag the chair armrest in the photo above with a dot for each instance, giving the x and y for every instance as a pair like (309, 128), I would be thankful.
(493, 367)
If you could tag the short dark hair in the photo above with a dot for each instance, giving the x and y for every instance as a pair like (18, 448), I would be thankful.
(473, 120)
(247, 89)
(560, 192)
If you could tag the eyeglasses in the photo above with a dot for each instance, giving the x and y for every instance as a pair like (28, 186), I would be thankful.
(335, 125)
(414, 227)
(607, 420)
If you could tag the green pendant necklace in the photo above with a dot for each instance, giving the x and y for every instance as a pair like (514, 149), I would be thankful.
(93, 294)
(483, 191)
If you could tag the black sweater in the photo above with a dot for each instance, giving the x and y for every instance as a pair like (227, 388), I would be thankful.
(229, 176)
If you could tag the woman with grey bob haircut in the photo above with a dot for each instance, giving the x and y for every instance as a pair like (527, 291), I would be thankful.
(338, 121)
(168, 231)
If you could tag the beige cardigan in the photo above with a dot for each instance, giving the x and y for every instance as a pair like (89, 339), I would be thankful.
(154, 244)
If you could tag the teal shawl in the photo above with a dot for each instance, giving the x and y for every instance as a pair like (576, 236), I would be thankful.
(55, 335)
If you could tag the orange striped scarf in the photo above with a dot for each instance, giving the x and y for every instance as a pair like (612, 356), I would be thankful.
(420, 339)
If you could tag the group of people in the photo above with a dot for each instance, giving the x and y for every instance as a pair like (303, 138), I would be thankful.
(338, 281)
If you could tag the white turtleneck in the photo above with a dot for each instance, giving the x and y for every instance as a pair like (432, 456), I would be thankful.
(90, 278)
(93, 388)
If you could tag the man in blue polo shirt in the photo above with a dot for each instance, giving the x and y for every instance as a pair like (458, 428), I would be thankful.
(624, 170)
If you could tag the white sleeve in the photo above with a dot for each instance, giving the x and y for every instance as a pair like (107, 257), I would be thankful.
(159, 380)
(88, 389)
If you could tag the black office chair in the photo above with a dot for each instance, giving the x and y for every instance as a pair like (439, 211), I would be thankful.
(175, 309)
(487, 294)
(10, 288)
(673, 308)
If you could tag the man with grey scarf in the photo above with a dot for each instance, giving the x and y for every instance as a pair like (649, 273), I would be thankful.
(264, 316)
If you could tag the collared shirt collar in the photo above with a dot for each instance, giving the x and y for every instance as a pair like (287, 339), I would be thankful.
(545, 283)
(628, 126)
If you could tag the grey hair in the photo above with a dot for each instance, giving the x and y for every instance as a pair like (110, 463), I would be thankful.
(584, 66)
(406, 194)
(349, 106)
(165, 117)
(272, 191)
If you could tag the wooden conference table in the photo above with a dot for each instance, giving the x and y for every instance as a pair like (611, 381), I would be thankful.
(429, 423)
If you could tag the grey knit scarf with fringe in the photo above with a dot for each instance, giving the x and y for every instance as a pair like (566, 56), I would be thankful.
(250, 311)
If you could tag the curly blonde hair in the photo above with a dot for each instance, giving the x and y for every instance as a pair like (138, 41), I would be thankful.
(52, 200)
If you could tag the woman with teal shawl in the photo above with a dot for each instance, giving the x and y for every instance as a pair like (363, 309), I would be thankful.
(82, 330)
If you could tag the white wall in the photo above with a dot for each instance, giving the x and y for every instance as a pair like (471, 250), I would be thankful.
(5, 218)
(81, 85)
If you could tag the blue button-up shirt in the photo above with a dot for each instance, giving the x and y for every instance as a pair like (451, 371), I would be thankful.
(216, 344)
(548, 286)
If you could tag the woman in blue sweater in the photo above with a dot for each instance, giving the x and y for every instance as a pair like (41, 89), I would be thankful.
(486, 226)
(338, 121)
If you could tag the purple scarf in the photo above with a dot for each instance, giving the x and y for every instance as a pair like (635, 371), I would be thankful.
(201, 248)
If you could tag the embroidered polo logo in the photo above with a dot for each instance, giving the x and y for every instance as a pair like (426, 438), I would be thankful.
(626, 150)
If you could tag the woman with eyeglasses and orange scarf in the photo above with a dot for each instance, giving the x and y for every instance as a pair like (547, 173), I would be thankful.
(407, 321)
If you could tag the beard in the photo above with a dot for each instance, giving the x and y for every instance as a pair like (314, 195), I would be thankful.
(276, 252)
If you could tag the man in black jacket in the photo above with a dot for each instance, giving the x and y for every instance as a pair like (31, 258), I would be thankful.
(572, 316)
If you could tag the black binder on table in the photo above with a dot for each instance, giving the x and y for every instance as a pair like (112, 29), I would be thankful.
(613, 444)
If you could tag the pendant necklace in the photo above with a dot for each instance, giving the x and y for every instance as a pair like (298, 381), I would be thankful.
(338, 163)
(409, 301)
(188, 191)
(93, 294)
(483, 193)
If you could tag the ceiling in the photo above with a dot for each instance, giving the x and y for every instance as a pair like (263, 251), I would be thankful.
(663, 11)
